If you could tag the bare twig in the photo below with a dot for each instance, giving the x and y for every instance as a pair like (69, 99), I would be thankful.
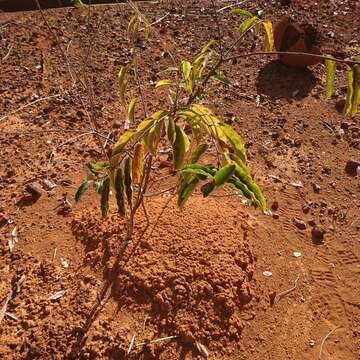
(160, 192)
(231, 6)
(7, 54)
(9, 296)
(279, 296)
(325, 338)
(157, 340)
(67, 142)
(29, 104)
(161, 19)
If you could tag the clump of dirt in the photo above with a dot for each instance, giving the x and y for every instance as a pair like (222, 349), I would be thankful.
(194, 276)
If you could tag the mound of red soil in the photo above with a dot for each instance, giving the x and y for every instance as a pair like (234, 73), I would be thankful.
(193, 276)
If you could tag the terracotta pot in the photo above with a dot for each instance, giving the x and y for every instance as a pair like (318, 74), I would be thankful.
(290, 37)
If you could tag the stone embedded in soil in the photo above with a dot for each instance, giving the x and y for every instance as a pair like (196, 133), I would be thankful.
(299, 224)
(34, 189)
(317, 234)
(3, 220)
(316, 188)
(351, 167)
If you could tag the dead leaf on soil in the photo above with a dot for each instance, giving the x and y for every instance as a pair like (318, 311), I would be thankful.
(57, 295)
(202, 349)
(13, 239)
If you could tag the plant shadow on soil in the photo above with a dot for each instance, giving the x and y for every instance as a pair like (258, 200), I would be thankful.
(279, 81)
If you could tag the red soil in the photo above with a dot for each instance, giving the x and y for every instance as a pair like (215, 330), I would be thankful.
(197, 273)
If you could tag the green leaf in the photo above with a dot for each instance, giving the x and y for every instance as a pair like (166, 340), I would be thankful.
(356, 94)
(350, 89)
(131, 110)
(132, 24)
(224, 174)
(104, 199)
(146, 30)
(169, 69)
(242, 12)
(163, 82)
(195, 156)
(128, 180)
(171, 133)
(220, 76)
(122, 83)
(137, 163)
(82, 188)
(180, 146)
(186, 69)
(206, 189)
(235, 140)
(119, 190)
(123, 140)
(249, 182)
(80, 6)
(198, 169)
(247, 24)
(269, 35)
(242, 188)
(94, 169)
(330, 77)
(186, 189)
(206, 47)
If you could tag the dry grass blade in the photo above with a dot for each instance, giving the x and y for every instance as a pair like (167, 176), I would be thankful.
(279, 296)
(325, 338)
(132, 342)
(12, 316)
(6, 302)
(13, 239)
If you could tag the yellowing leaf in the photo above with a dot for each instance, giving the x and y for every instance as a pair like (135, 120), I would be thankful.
(122, 83)
(132, 26)
(242, 12)
(153, 137)
(235, 140)
(131, 110)
(137, 163)
(171, 130)
(350, 90)
(186, 69)
(180, 147)
(330, 77)
(206, 47)
(247, 24)
(269, 35)
(163, 82)
(123, 140)
(356, 94)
